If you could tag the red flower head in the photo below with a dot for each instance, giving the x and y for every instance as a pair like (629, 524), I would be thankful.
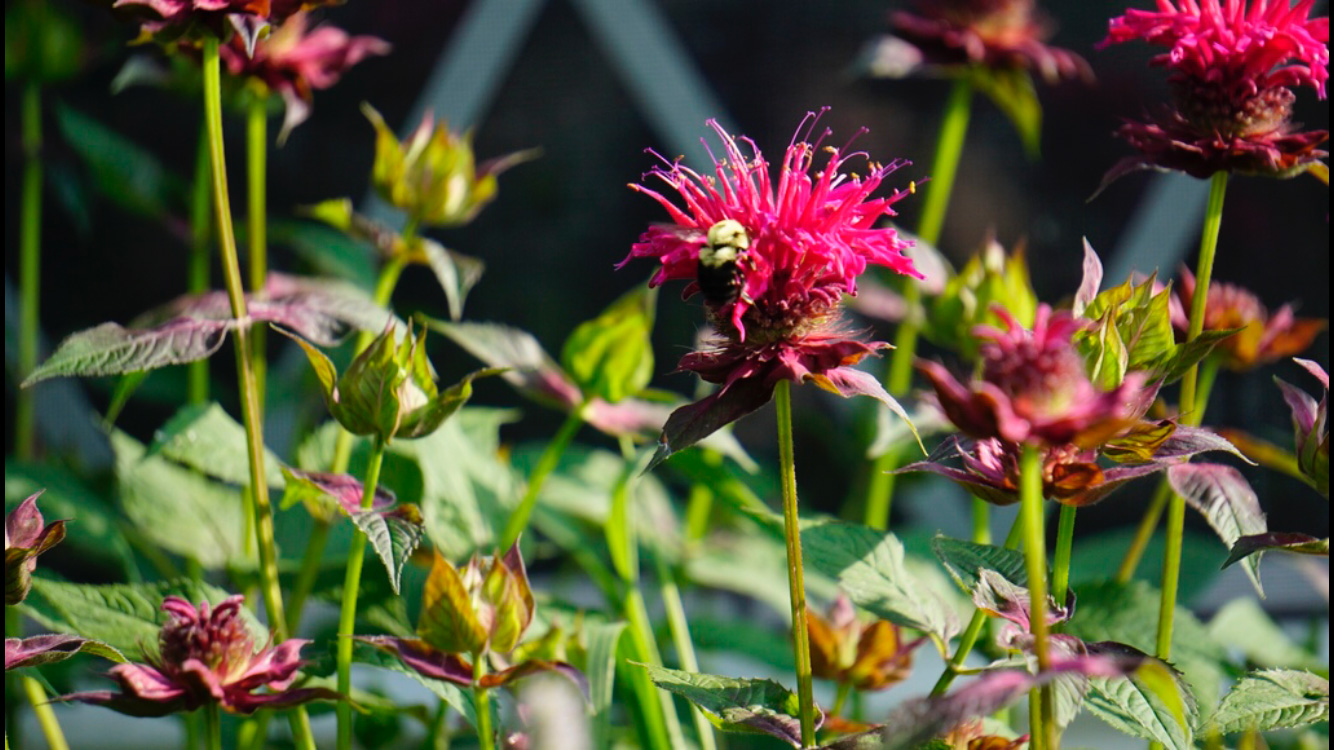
(1233, 68)
(1034, 388)
(1263, 338)
(207, 654)
(773, 259)
(295, 61)
(993, 33)
(169, 20)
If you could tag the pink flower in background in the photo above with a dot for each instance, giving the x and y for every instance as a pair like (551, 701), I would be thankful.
(1034, 388)
(207, 654)
(169, 20)
(1263, 338)
(295, 60)
(1233, 67)
(993, 33)
(773, 257)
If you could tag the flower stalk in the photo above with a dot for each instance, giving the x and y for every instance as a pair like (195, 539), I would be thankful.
(257, 133)
(1035, 554)
(30, 247)
(1065, 537)
(945, 165)
(356, 557)
(259, 510)
(486, 736)
(801, 644)
(550, 458)
(1176, 509)
(197, 279)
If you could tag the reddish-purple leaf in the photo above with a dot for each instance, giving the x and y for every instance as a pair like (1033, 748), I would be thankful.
(110, 349)
(534, 666)
(48, 649)
(1222, 495)
(692, 423)
(1290, 542)
(343, 489)
(422, 658)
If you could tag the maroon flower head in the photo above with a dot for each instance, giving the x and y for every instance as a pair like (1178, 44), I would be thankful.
(295, 60)
(27, 535)
(207, 654)
(993, 33)
(1263, 338)
(773, 258)
(1233, 67)
(1034, 388)
(169, 20)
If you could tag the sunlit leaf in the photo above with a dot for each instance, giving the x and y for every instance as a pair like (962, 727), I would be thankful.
(49, 649)
(207, 439)
(1273, 699)
(1225, 499)
(1303, 544)
(394, 534)
(869, 567)
(110, 349)
(748, 706)
(1154, 704)
(611, 356)
(965, 560)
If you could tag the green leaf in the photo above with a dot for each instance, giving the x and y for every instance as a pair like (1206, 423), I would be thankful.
(964, 560)
(125, 616)
(1243, 624)
(393, 534)
(207, 439)
(110, 349)
(467, 487)
(747, 706)
(456, 272)
(1273, 699)
(178, 509)
(602, 639)
(611, 355)
(1189, 354)
(1253, 544)
(1012, 90)
(327, 250)
(1153, 704)
(869, 566)
(129, 175)
(1109, 611)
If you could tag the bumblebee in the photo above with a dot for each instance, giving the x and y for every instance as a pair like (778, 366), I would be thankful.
(720, 271)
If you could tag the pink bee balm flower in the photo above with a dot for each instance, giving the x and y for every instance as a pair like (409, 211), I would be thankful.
(993, 33)
(773, 258)
(1263, 338)
(295, 60)
(1233, 66)
(207, 654)
(1034, 388)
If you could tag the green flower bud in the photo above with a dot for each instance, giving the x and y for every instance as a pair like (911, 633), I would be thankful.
(433, 175)
(389, 390)
(989, 277)
(486, 606)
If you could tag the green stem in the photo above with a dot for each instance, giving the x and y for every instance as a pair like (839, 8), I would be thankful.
(550, 458)
(975, 626)
(1065, 537)
(659, 712)
(257, 143)
(1176, 510)
(486, 736)
(30, 269)
(212, 727)
(981, 521)
(258, 509)
(1147, 525)
(801, 644)
(841, 694)
(347, 618)
(679, 626)
(945, 166)
(1035, 554)
(197, 279)
(46, 716)
(253, 418)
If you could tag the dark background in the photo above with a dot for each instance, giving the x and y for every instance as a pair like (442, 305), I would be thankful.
(561, 222)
